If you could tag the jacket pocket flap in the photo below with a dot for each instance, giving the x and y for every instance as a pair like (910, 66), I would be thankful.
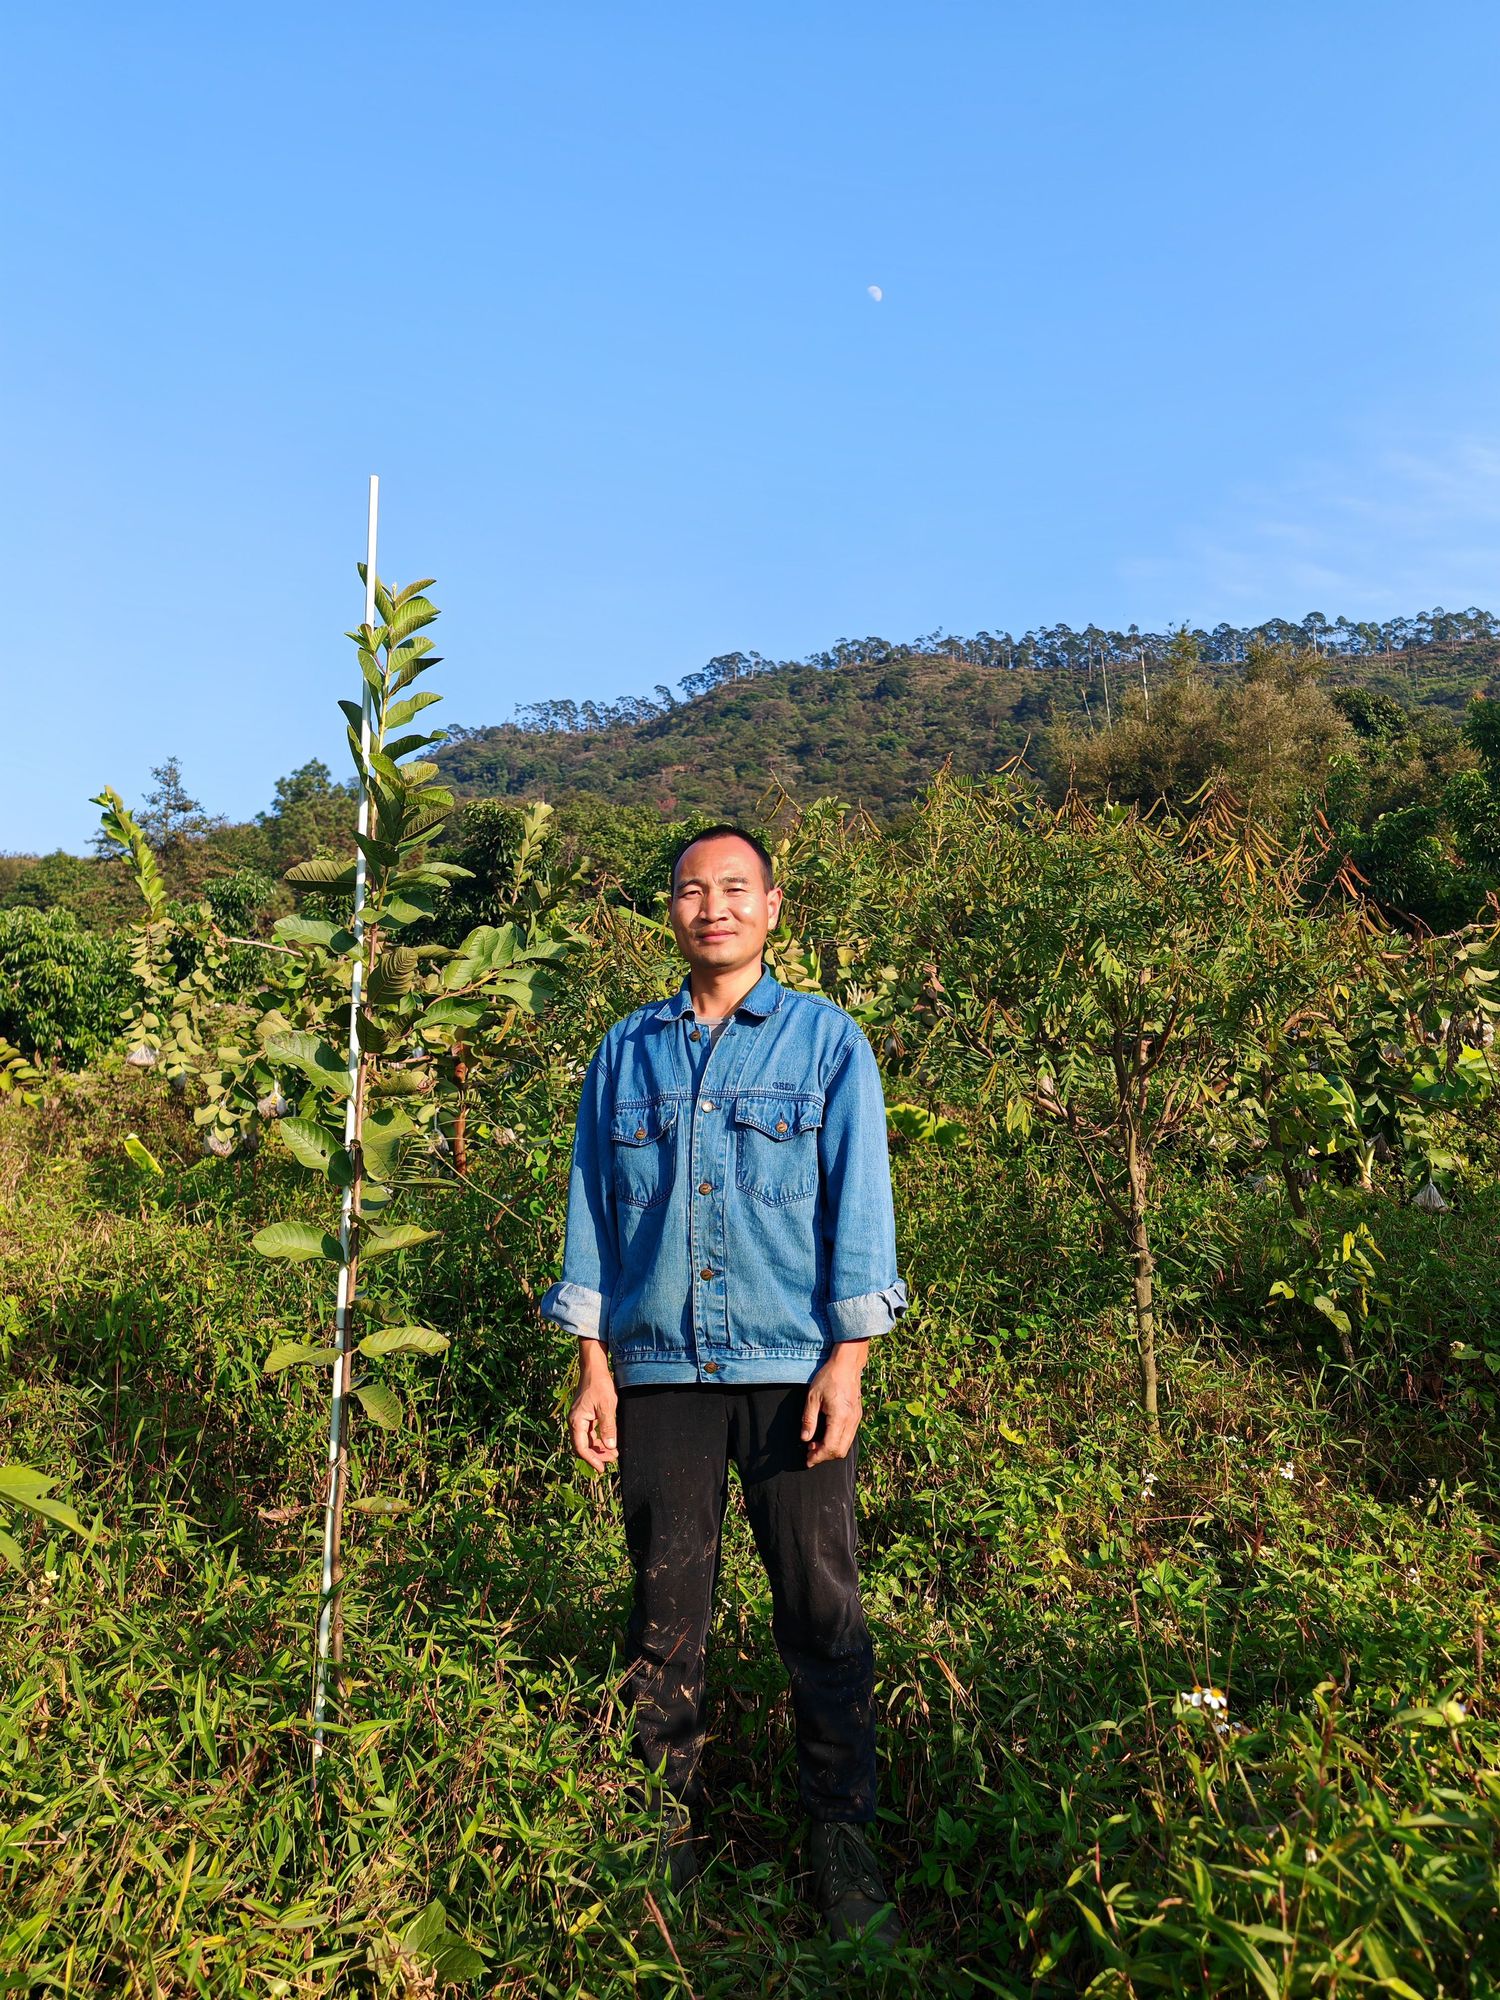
(642, 1124)
(779, 1116)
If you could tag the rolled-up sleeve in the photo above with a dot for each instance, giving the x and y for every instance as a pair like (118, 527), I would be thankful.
(579, 1301)
(866, 1294)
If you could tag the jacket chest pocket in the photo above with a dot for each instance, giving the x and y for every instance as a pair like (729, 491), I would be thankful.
(776, 1146)
(643, 1144)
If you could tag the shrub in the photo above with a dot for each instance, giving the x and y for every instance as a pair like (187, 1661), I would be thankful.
(62, 987)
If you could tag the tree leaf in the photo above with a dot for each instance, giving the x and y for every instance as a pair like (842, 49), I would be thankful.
(411, 617)
(296, 1243)
(140, 1156)
(453, 1014)
(404, 1236)
(314, 931)
(407, 906)
(10, 1551)
(391, 976)
(381, 1405)
(318, 1061)
(381, 1140)
(401, 712)
(324, 872)
(399, 1083)
(381, 1503)
(404, 1340)
(296, 1354)
(308, 1143)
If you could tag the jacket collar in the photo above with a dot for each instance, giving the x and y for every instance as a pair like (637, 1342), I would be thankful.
(764, 998)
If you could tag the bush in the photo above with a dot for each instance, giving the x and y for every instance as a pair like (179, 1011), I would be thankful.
(62, 987)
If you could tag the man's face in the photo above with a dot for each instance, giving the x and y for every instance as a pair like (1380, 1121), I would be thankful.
(721, 908)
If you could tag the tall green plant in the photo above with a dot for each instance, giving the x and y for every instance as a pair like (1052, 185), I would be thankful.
(362, 1105)
(163, 1025)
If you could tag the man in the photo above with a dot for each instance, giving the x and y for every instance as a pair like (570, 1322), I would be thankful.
(730, 1254)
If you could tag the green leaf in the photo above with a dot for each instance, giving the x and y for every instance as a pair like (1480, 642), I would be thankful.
(21, 1484)
(381, 1140)
(384, 1242)
(296, 1243)
(404, 1340)
(398, 1083)
(453, 1014)
(140, 1156)
(54, 1510)
(407, 906)
(401, 712)
(324, 872)
(10, 1551)
(309, 1144)
(381, 1405)
(483, 950)
(411, 617)
(314, 932)
(403, 746)
(318, 1061)
(391, 976)
(296, 1354)
(381, 1503)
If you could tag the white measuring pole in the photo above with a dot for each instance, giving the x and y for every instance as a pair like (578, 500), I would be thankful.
(331, 1507)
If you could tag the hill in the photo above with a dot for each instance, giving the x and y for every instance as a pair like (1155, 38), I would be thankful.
(871, 731)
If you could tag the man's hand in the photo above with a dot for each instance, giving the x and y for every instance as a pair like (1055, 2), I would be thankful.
(833, 1398)
(591, 1421)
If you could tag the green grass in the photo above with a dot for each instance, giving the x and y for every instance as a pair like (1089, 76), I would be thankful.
(1042, 1590)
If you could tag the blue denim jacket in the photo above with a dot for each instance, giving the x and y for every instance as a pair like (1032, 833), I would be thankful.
(735, 1230)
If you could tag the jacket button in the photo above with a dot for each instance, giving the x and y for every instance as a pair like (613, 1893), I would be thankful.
(705, 1187)
(706, 1105)
(710, 1367)
(640, 1131)
(780, 1126)
(705, 1272)
(695, 1036)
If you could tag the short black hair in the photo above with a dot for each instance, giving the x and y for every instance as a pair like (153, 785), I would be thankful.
(719, 833)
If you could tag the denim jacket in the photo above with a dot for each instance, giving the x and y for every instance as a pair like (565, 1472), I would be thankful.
(736, 1230)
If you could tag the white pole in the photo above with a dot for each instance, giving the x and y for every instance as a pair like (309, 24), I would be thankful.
(331, 1509)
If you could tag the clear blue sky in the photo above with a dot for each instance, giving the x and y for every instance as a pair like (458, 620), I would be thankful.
(1188, 312)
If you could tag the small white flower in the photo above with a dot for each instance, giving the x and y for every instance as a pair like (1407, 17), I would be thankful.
(1312, 1855)
(1287, 1471)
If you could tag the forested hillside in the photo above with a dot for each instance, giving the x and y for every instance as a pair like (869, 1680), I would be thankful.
(873, 730)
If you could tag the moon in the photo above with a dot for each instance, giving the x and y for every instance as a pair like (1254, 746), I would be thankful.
(875, 293)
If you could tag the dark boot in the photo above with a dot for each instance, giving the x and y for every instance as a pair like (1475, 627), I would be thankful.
(847, 1885)
(677, 1853)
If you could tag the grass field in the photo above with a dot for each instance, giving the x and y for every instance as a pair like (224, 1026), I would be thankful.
(1045, 1594)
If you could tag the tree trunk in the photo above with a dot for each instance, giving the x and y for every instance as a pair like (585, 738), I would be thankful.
(1143, 1269)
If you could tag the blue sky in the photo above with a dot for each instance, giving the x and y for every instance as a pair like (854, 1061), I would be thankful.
(1188, 312)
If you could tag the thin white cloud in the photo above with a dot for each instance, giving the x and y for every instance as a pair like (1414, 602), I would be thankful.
(1395, 528)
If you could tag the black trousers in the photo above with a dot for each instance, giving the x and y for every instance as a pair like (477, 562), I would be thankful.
(676, 1443)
